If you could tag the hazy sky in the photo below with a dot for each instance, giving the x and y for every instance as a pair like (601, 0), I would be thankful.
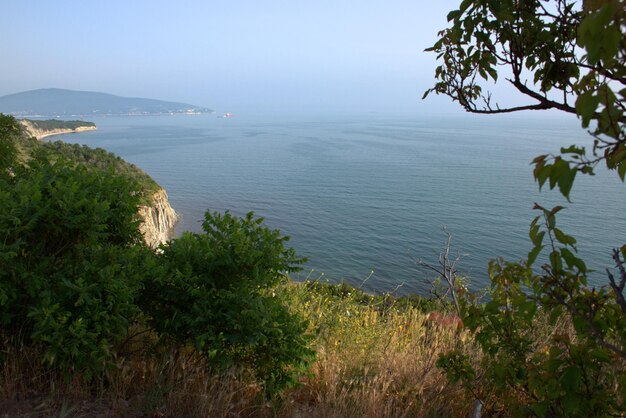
(229, 55)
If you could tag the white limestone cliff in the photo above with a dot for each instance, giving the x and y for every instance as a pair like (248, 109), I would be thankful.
(158, 220)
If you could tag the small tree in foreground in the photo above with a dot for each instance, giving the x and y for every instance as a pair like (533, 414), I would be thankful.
(215, 293)
(567, 56)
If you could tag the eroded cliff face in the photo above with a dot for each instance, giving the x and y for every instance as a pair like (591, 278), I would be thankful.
(42, 133)
(158, 220)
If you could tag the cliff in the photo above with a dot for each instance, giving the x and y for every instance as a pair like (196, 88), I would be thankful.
(158, 219)
(33, 128)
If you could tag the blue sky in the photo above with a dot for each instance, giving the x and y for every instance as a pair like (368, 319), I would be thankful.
(230, 55)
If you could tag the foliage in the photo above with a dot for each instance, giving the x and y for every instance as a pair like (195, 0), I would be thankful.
(74, 269)
(214, 292)
(9, 132)
(376, 354)
(558, 55)
(103, 161)
(368, 364)
(574, 57)
(69, 275)
(383, 303)
(51, 124)
(26, 147)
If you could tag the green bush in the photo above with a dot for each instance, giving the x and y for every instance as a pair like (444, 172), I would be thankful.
(71, 262)
(215, 293)
(9, 131)
(75, 274)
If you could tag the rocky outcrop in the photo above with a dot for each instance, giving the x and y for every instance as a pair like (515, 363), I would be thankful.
(42, 133)
(158, 220)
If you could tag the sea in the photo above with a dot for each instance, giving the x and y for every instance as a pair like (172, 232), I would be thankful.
(365, 196)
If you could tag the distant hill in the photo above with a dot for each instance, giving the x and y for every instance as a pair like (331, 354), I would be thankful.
(63, 103)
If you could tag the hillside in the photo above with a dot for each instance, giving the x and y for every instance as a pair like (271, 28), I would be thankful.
(158, 216)
(64, 103)
(43, 128)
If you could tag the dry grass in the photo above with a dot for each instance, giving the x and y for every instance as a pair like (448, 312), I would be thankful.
(374, 364)
(172, 384)
(370, 363)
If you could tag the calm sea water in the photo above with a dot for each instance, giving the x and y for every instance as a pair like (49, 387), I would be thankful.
(371, 193)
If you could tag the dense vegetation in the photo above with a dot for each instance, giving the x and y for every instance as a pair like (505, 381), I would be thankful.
(77, 281)
(92, 158)
(570, 57)
(103, 161)
(50, 124)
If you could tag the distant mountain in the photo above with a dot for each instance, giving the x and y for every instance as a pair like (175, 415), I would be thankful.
(60, 102)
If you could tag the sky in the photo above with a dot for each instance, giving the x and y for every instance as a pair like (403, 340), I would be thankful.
(332, 55)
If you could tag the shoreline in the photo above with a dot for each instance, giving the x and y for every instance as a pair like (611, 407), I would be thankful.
(65, 131)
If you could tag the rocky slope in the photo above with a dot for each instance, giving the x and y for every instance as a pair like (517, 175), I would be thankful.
(159, 219)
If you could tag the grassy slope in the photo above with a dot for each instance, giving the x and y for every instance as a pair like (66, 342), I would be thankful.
(375, 357)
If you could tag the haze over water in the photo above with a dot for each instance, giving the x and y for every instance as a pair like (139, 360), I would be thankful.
(370, 192)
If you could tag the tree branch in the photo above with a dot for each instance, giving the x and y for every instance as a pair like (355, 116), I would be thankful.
(618, 289)
(550, 104)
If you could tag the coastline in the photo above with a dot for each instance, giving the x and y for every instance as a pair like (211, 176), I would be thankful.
(39, 130)
(44, 134)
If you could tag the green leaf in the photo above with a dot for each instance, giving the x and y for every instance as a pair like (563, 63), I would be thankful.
(559, 168)
(566, 181)
(556, 209)
(534, 230)
(600, 355)
(555, 261)
(453, 15)
(573, 149)
(542, 174)
(571, 378)
(534, 222)
(465, 4)
(564, 238)
(532, 255)
(569, 257)
(586, 106)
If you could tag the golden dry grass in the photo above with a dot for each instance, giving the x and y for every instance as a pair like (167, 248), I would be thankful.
(372, 363)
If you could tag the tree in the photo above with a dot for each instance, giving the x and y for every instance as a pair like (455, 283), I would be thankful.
(215, 293)
(570, 57)
(558, 56)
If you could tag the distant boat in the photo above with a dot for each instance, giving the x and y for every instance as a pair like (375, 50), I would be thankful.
(226, 115)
